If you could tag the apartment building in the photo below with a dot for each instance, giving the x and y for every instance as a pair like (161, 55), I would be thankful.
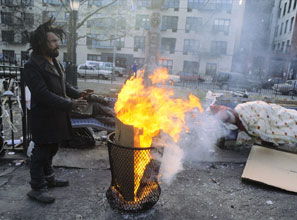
(196, 36)
(17, 18)
(284, 39)
(253, 54)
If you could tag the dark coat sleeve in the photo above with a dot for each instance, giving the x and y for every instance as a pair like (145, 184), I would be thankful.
(39, 90)
(72, 92)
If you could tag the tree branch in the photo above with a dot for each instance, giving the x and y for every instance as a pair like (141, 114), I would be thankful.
(64, 6)
(94, 12)
(108, 38)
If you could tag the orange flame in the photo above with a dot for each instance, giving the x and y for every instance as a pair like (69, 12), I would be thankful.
(150, 109)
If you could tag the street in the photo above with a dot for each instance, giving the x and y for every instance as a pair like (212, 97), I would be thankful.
(208, 187)
(203, 190)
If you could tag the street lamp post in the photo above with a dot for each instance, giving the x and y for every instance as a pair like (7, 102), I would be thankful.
(71, 68)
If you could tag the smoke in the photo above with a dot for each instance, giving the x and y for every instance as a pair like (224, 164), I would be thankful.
(195, 145)
(171, 158)
(204, 132)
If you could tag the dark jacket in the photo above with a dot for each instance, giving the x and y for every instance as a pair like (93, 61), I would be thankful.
(50, 122)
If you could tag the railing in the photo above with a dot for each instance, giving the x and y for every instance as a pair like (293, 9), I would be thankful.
(13, 91)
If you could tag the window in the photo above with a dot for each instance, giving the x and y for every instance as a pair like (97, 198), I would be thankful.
(65, 58)
(100, 23)
(120, 43)
(191, 45)
(94, 57)
(168, 44)
(9, 56)
(221, 25)
(286, 26)
(67, 16)
(169, 22)
(167, 64)
(291, 24)
(211, 69)
(27, 2)
(193, 24)
(224, 4)
(191, 67)
(24, 57)
(218, 47)
(290, 2)
(285, 8)
(98, 41)
(276, 31)
(48, 14)
(51, 2)
(281, 29)
(282, 47)
(139, 61)
(8, 36)
(171, 4)
(99, 3)
(196, 4)
(142, 21)
(6, 18)
(139, 43)
(29, 19)
(7, 2)
(288, 46)
(143, 3)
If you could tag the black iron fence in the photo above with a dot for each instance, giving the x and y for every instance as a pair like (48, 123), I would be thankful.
(12, 98)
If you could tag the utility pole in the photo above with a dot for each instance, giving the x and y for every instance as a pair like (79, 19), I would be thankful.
(71, 68)
(114, 43)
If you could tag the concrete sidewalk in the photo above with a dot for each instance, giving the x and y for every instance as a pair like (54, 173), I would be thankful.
(205, 190)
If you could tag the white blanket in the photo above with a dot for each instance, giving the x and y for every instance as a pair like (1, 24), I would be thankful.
(270, 122)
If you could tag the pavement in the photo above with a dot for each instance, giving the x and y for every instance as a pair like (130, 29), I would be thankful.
(209, 186)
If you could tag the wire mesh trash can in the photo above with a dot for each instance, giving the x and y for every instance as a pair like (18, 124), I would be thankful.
(134, 184)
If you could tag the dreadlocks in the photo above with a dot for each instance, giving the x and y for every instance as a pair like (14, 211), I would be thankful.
(38, 38)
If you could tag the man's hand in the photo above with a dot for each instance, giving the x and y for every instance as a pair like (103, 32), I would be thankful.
(79, 104)
(86, 93)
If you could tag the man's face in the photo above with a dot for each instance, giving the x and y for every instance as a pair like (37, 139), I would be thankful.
(52, 49)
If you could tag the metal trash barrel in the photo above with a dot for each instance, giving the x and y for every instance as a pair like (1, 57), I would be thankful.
(128, 190)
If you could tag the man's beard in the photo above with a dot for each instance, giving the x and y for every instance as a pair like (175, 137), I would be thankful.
(53, 53)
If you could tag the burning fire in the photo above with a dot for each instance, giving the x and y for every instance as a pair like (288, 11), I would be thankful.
(150, 109)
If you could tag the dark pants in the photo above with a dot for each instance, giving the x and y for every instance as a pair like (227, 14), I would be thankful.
(41, 164)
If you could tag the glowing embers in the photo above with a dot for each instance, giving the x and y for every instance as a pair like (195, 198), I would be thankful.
(134, 185)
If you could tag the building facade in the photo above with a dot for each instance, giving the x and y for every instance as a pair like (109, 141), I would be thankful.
(283, 39)
(253, 54)
(196, 36)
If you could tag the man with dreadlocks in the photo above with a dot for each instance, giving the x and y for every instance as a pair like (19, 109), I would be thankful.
(50, 122)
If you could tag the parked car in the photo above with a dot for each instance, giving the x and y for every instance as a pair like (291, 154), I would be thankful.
(194, 77)
(268, 83)
(233, 80)
(287, 88)
(174, 79)
(84, 70)
(119, 71)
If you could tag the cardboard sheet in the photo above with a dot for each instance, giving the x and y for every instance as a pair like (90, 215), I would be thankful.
(272, 167)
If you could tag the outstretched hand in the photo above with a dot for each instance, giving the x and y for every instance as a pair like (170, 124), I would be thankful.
(86, 92)
(79, 104)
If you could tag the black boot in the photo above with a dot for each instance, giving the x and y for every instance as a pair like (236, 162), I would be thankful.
(54, 182)
(41, 195)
